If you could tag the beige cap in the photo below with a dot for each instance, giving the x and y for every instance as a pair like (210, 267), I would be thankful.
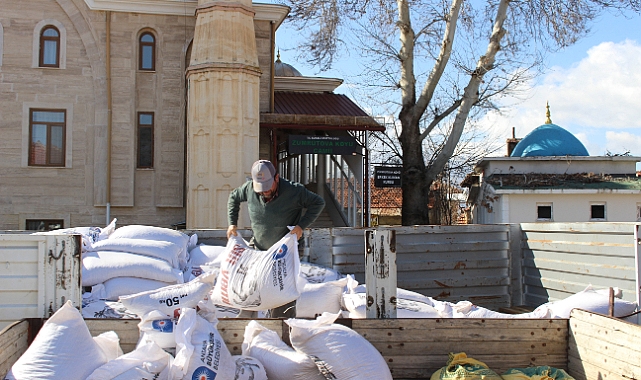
(263, 173)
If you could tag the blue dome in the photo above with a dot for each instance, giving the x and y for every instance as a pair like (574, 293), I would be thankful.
(549, 140)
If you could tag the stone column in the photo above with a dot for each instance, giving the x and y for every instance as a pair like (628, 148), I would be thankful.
(223, 109)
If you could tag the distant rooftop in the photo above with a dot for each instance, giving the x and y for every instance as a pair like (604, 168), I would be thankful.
(563, 181)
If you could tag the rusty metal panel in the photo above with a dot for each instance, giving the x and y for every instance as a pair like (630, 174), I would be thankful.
(449, 263)
(560, 259)
(38, 274)
(380, 273)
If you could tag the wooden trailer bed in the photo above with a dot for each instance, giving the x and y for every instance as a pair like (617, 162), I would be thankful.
(588, 346)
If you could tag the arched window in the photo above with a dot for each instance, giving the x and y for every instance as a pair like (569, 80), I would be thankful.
(49, 47)
(147, 52)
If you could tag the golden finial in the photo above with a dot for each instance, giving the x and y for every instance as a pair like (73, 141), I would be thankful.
(278, 55)
(547, 113)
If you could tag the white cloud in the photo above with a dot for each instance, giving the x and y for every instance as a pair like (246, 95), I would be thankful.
(598, 99)
(602, 90)
(621, 142)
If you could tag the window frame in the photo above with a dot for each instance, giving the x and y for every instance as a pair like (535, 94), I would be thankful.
(605, 212)
(47, 223)
(546, 204)
(141, 48)
(1, 42)
(139, 128)
(41, 50)
(48, 149)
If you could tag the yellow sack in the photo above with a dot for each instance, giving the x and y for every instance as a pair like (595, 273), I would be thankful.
(536, 373)
(460, 367)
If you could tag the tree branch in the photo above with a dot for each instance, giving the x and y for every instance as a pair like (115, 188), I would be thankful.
(441, 62)
(470, 96)
(438, 118)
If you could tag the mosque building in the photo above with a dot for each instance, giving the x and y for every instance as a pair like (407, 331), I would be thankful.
(549, 176)
(151, 112)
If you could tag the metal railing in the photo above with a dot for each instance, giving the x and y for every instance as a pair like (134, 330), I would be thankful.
(340, 183)
(346, 190)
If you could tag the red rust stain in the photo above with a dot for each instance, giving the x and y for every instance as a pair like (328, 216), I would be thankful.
(443, 295)
(442, 285)
(460, 265)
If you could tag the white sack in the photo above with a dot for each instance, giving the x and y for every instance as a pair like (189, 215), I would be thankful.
(226, 312)
(193, 242)
(156, 233)
(465, 309)
(203, 258)
(248, 368)
(316, 273)
(159, 328)
(206, 254)
(281, 362)
(106, 310)
(63, 349)
(147, 361)
(170, 298)
(356, 305)
(354, 287)
(258, 280)
(159, 249)
(596, 301)
(408, 304)
(317, 298)
(338, 350)
(109, 344)
(98, 267)
(121, 286)
(200, 350)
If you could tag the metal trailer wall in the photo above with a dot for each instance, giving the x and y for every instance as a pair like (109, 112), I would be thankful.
(560, 259)
(493, 266)
(449, 263)
(38, 274)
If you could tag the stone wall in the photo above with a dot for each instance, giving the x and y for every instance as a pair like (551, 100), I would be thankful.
(77, 192)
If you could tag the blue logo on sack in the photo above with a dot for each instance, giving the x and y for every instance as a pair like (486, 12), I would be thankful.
(203, 373)
(163, 325)
(280, 253)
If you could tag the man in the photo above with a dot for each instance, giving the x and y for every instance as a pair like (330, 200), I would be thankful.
(273, 204)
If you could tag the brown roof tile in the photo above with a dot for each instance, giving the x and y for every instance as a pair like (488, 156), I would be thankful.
(317, 110)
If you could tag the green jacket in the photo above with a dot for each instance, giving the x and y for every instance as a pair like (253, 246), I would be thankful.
(269, 221)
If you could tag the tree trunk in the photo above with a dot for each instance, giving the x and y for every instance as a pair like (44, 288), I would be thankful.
(415, 185)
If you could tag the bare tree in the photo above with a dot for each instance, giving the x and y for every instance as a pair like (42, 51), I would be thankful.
(498, 43)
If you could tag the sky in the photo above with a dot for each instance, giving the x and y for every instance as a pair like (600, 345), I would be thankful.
(593, 89)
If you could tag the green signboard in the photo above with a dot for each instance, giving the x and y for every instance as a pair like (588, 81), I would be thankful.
(344, 145)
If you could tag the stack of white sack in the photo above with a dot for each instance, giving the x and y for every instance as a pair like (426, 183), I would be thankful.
(200, 352)
(415, 305)
(596, 301)
(320, 349)
(134, 259)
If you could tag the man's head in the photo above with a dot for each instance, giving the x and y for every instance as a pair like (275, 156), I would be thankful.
(263, 175)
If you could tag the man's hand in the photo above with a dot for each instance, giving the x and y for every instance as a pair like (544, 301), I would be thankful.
(231, 230)
(298, 231)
